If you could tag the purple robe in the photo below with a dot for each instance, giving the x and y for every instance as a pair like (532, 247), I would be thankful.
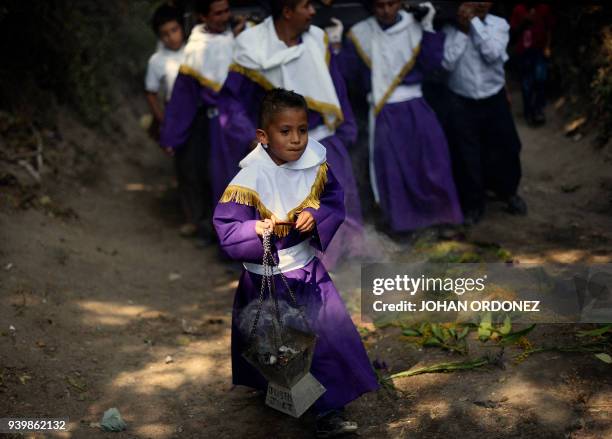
(340, 361)
(411, 157)
(188, 95)
(239, 105)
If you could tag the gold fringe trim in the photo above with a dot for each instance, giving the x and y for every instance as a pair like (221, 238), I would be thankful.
(186, 70)
(253, 75)
(323, 108)
(248, 197)
(362, 54)
(398, 79)
(327, 51)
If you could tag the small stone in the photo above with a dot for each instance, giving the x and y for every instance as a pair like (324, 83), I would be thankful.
(169, 359)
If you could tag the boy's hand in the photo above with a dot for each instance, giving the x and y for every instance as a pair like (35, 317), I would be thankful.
(168, 150)
(267, 224)
(240, 24)
(305, 222)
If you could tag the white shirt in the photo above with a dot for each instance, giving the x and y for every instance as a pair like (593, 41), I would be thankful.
(476, 61)
(163, 69)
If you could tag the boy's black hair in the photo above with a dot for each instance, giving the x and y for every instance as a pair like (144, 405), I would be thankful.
(277, 100)
(277, 6)
(203, 6)
(164, 14)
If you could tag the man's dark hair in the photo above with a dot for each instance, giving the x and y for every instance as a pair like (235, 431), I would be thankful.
(164, 14)
(203, 6)
(277, 6)
(277, 100)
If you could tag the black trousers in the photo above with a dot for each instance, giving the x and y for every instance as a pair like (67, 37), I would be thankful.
(191, 163)
(485, 148)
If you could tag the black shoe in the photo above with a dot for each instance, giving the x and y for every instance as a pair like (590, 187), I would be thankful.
(472, 217)
(334, 424)
(517, 206)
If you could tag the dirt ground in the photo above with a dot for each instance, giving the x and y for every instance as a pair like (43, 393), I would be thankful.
(112, 308)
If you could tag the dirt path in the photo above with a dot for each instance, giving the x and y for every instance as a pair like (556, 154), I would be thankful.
(100, 306)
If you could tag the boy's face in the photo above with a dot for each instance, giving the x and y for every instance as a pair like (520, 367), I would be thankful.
(171, 35)
(301, 16)
(386, 11)
(286, 135)
(218, 16)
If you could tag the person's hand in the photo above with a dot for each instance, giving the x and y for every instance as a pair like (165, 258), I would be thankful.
(335, 32)
(168, 150)
(305, 222)
(427, 21)
(267, 224)
(465, 13)
(481, 9)
(240, 24)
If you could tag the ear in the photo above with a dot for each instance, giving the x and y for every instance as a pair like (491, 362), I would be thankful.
(287, 13)
(262, 137)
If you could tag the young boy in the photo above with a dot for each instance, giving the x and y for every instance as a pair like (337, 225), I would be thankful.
(164, 64)
(287, 178)
(191, 130)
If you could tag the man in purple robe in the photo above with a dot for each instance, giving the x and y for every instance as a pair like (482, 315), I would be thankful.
(287, 178)
(388, 55)
(287, 51)
(191, 131)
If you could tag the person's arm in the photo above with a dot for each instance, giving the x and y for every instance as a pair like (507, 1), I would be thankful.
(432, 51)
(349, 62)
(239, 103)
(491, 40)
(156, 110)
(330, 214)
(180, 111)
(235, 225)
(347, 131)
(454, 46)
(153, 79)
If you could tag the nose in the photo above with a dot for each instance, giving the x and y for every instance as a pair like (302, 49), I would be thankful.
(295, 137)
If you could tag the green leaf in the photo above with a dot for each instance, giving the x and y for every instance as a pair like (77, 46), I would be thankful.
(506, 327)
(485, 321)
(595, 332)
(513, 337)
(452, 332)
(463, 333)
(442, 367)
(432, 341)
(437, 331)
(423, 327)
(604, 357)
(484, 334)
(409, 332)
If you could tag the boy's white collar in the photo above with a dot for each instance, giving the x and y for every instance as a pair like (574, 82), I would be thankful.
(314, 155)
